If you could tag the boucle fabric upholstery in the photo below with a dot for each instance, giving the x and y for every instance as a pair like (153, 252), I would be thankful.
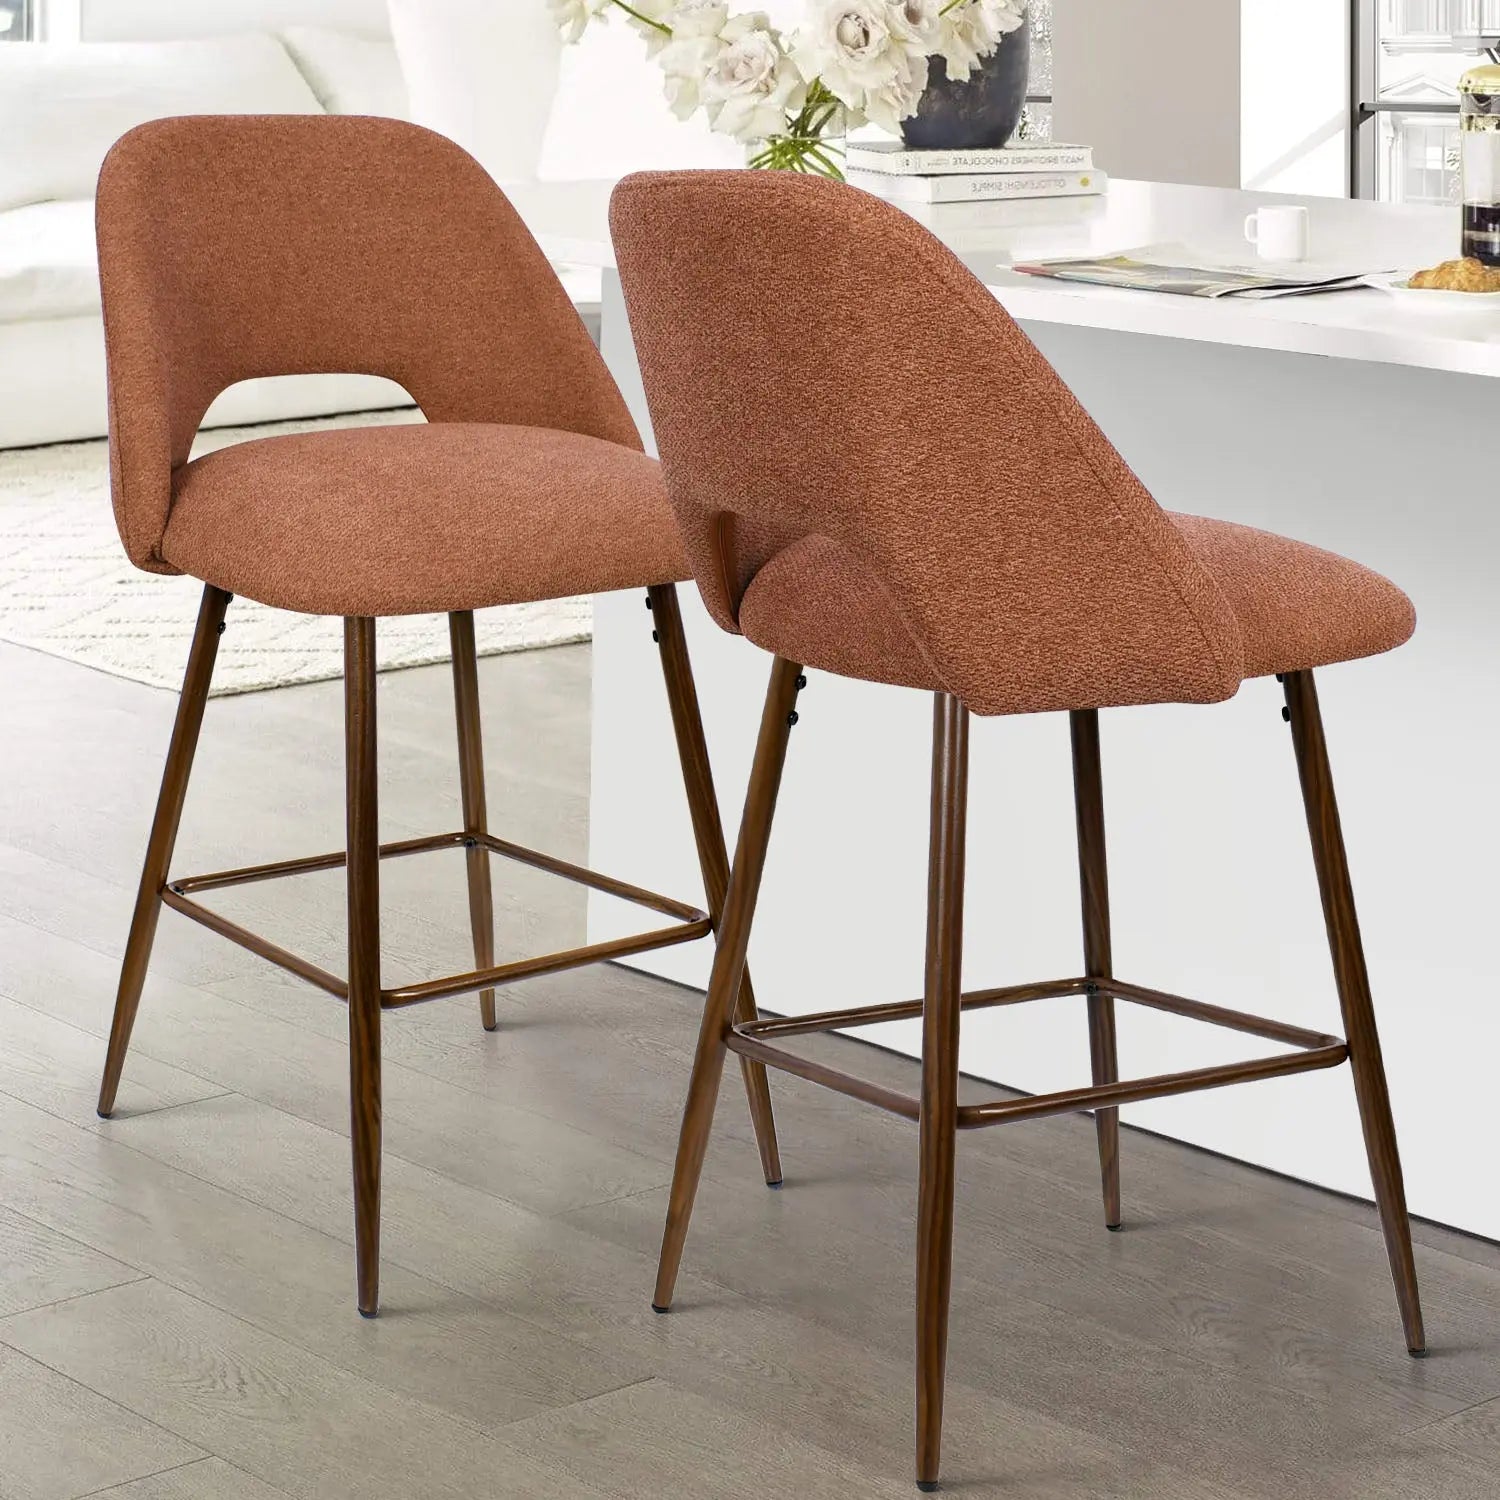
(874, 468)
(1298, 607)
(419, 519)
(240, 246)
(814, 603)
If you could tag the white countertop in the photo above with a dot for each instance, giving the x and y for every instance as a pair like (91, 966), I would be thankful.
(570, 219)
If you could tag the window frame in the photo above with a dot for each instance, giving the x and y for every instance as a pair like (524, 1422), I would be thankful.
(30, 22)
(1365, 104)
(1364, 46)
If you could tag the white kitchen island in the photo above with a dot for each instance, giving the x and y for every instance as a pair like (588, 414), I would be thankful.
(1338, 419)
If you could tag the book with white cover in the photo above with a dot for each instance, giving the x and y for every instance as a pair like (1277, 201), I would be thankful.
(1008, 225)
(976, 187)
(1021, 156)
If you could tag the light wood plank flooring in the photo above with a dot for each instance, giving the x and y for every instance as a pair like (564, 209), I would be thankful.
(176, 1285)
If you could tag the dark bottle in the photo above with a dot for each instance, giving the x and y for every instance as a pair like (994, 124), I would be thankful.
(1479, 138)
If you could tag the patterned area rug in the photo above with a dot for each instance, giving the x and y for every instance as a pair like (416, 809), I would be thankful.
(67, 589)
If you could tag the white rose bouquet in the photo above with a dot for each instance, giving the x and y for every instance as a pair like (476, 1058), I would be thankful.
(788, 95)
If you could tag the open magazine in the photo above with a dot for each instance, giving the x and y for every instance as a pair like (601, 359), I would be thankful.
(1174, 268)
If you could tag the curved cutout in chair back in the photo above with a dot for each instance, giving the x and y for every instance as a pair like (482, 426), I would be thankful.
(232, 247)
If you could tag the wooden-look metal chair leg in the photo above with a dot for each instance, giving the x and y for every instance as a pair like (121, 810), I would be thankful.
(1354, 996)
(163, 839)
(733, 939)
(471, 784)
(364, 951)
(1093, 879)
(939, 1099)
(708, 834)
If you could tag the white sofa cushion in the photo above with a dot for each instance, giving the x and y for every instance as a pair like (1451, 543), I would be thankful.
(153, 20)
(52, 377)
(48, 266)
(62, 105)
(350, 74)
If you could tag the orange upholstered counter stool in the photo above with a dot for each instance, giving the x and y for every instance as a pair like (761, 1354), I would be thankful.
(238, 247)
(877, 474)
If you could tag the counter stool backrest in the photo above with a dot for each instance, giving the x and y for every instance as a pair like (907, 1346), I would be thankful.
(232, 247)
(817, 364)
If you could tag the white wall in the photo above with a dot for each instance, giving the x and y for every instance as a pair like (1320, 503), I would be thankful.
(1226, 92)
(1153, 85)
(1229, 93)
(610, 116)
(1294, 96)
(1211, 880)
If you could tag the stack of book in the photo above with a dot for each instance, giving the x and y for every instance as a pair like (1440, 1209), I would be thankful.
(1026, 169)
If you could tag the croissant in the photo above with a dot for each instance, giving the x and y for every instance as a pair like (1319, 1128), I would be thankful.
(1467, 275)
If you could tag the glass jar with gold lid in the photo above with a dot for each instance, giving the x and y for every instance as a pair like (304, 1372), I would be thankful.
(1479, 137)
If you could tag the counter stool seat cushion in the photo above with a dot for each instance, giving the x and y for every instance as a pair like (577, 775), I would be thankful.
(1298, 607)
(422, 519)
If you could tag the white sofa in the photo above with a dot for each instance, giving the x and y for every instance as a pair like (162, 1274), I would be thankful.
(137, 60)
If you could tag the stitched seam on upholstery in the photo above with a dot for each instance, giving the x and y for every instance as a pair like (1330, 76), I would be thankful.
(984, 307)
(111, 365)
(719, 523)
(868, 566)
(127, 508)
(987, 305)
(916, 635)
(672, 183)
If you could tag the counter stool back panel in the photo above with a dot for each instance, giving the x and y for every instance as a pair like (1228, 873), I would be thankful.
(238, 247)
(908, 493)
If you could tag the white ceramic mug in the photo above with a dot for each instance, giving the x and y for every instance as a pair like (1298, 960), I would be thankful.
(1279, 231)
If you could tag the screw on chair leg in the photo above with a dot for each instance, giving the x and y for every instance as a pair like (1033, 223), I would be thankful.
(708, 834)
(724, 984)
(1093, 876)
(363, 878)
(174, 785)
(471, 785)
(938, 1119)
(1353, 982)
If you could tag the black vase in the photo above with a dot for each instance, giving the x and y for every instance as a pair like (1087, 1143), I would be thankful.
(983, 111)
